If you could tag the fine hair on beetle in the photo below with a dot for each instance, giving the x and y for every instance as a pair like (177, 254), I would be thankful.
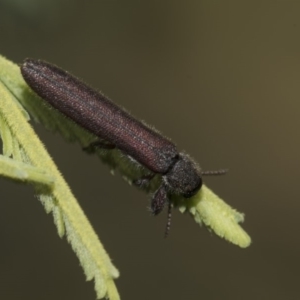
(116, 128)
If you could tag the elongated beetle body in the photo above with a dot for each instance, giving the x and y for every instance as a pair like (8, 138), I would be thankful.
(99, 115)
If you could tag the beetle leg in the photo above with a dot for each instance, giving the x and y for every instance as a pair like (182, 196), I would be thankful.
(98, 144)
(159, 200)
(143, 181)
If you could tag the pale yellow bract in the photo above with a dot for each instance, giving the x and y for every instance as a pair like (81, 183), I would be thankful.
(209, 209)
(30, 162)
(25, 159)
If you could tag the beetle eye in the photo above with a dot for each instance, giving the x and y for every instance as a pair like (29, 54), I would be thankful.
(191, 193)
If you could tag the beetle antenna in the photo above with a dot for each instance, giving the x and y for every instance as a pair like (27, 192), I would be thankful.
(168, 226)
(215, 172)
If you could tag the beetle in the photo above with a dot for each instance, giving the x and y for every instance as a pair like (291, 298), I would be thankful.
(180, 174)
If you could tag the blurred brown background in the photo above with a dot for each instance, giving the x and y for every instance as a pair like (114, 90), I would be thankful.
(221, 78)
